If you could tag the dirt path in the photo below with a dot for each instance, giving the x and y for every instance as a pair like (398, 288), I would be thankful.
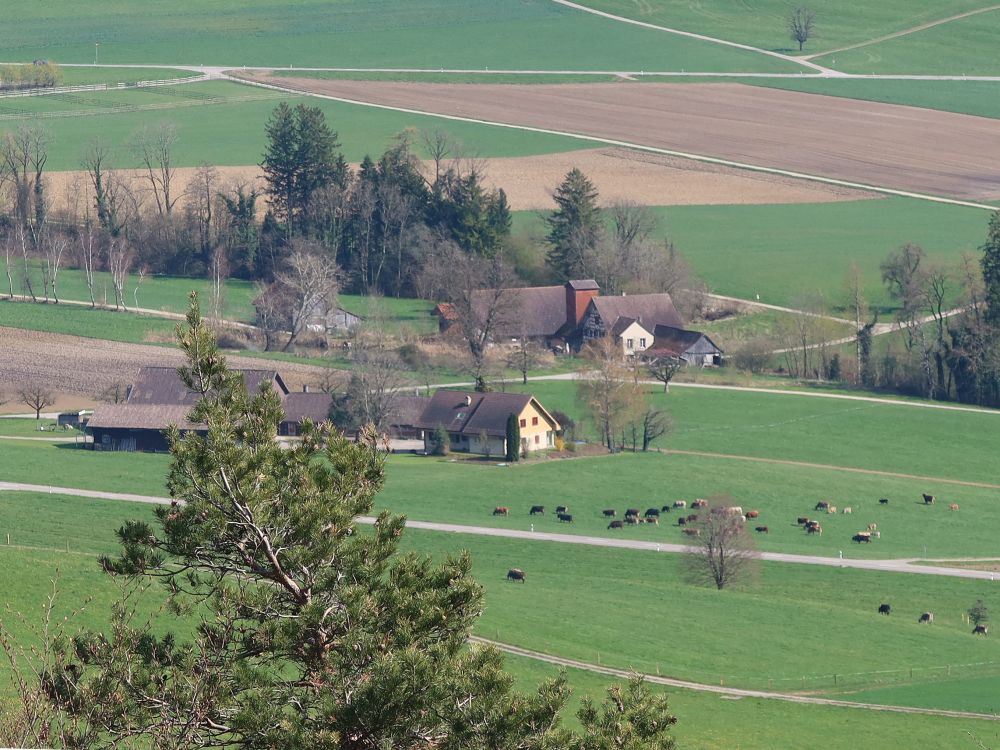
(719, 690)
(904, 32)
(888, 148)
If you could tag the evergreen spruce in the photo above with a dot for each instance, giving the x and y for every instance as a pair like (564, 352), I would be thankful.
(513, 438)
(574, 227)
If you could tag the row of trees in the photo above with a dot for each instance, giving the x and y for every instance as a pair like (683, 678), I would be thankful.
(40, 74)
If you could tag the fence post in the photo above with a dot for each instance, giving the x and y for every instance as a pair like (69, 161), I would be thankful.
(835, 680)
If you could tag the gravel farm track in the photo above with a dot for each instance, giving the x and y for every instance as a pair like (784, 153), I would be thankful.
(884, 145)
(85, 367)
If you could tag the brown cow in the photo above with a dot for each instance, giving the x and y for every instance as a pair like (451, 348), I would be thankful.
(981, 630)
(632, 512)
(615, 525)
(953, 506)
(692, 532)
(761, 529)
(752, 514)
(699, 503)
(501, 510)
(633, 520)
(515, 574)
(653, 520)
(815, 528)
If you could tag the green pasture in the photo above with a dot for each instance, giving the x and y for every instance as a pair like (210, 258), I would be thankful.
(728, 333)
(18, 427)
(528, 34)
(966, 46)
(794, 254)
(222, 123)
(78, 320)
(764, 23)
(66, 465)
(711, 722)
(979, 694)
(78, 76)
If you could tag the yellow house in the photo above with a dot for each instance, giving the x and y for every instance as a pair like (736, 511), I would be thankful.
(477, 422)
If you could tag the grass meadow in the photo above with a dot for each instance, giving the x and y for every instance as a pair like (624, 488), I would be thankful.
(793, 255)
(764, 23)
(354, 33)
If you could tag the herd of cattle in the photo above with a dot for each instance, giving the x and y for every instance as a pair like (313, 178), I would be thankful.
(635, 517)
(928, 617)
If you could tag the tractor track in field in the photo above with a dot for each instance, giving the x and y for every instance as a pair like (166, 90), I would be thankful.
(726, 691)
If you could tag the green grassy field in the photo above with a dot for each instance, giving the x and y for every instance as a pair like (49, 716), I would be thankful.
(17, 427)
(788, 253)
(980, 694)
(77, 76)
(728, 333)
(764, 23)
(354, 33)
(223, 123)
(963, 47)
(76, 320)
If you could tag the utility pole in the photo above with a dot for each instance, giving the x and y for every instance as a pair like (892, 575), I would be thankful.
(96, 45)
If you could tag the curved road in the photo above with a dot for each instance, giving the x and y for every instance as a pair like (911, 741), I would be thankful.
(902, 565)
(720, 690)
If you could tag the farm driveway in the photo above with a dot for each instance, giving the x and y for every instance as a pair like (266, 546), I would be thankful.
(902, 565)
(889, 146)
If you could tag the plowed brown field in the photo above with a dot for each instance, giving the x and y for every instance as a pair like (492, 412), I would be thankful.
(885, 145)
(76, 366)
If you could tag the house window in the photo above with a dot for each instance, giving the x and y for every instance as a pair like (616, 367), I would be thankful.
(538, 439)
(629, 343)
(534, 421)
(642, 343)
(524, 423)
(548, 438)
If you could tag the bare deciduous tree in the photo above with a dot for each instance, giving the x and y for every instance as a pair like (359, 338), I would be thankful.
(376, 377)
(608, 389)
(116, 393)
(23, 154)
(858, 304)
(722, 552)
(663, 369)
(120, 256)
(153, 146)
(36, 397)
(89, 257)
(802, 25)
(525, 356)
(54, 246)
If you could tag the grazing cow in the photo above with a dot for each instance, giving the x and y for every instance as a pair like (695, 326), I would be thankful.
(814, 528)
(822, 505)
(692, 532)
(883, 501)
(735, 510)
(562, 509)
(862, 537)
(680, 504)
(653, 520)
(802, 520)
(832, 509)
(682, 520)
(884, 609)
(847, 511)
(752, 514)
(981, 630)
(515, 574)
(537, 509)
(633, 520)
(873, 527)
(927, 617)
(699, 503)
(615, 525)
(501, 510)
(632, 512)
(564, 517)
(928, 499)
(665, 509)
(650, 512)
(692, 517)
(760, 529)
(610, 513)
(953, 506)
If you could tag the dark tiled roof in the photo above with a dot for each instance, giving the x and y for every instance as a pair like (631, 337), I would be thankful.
(583, 285)
(162, 385)
(527, 311)
(142, 417)
(677, 341)
(314, 406)
(484, 412)
(650, 310)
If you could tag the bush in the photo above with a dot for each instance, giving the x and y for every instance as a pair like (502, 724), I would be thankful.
(753, 355)
(570, 447)
(414, 357)
(560, 444)
(441, 443)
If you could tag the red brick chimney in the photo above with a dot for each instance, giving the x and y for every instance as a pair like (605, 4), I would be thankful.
(578, 296)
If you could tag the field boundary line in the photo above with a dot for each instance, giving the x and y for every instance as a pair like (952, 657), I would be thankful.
(831, 467)
(897, 565)
(624, 144)
(700, 37)
(904, 32)
(721, 690)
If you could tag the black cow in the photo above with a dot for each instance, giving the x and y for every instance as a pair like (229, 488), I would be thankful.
(802, 521)
(862, 538)
(761, 529)
(535, 509)
(652, 512)
(564, 517)
(681, 520)
(632, 512)
(883, 501)
(515, 574)
(884, 609)
(928, 499)
(610, 513)
(822, 505)
(981, 630)
(615, 525)
(927, 617)
(665, 509)
(562, 509)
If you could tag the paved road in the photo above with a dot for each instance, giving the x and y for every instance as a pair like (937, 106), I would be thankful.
(903, 565)
(733, 692)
